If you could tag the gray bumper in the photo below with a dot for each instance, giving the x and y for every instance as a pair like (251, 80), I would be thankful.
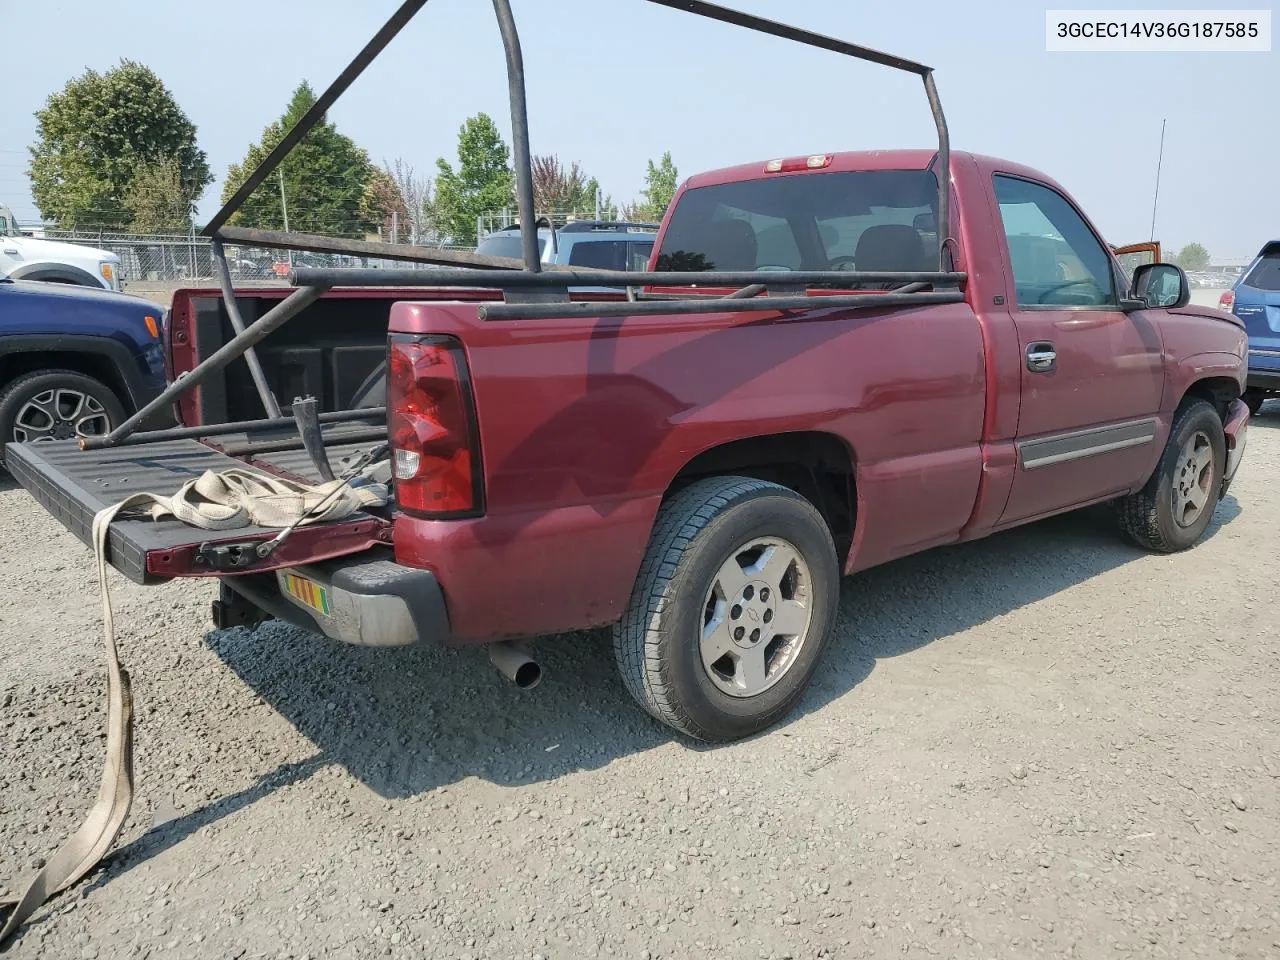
(368, 601)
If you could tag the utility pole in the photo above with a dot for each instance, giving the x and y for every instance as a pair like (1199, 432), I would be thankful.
(395, 226)
(284, 208)
(1159, 162)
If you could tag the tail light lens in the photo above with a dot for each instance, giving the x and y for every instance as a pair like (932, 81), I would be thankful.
(1227, 301)
(431, 420)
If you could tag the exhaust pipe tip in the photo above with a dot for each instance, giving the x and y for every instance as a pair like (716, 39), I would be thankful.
(515, 662)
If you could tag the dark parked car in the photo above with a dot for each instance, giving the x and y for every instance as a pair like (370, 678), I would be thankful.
(1255, 299)
(74, 361)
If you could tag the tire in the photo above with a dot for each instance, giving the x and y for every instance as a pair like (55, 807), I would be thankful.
(1155, 517)
(1253, 399)
(22, 399)
(705, 537)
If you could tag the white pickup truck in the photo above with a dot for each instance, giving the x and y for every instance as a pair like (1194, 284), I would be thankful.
(29, 258)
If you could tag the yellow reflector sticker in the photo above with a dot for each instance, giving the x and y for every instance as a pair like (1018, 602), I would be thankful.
(307, 592)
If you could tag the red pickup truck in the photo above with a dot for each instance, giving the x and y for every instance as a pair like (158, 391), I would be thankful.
(701, 482)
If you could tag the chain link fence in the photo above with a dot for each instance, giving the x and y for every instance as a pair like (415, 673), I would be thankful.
(175, 258)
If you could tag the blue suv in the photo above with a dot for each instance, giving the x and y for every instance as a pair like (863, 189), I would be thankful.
(1255, 299)
(74, 361)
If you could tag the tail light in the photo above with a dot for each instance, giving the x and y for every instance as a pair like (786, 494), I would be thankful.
(431, 420)
(1227, 301)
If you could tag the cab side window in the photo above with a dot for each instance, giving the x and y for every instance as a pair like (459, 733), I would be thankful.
(1057, 261)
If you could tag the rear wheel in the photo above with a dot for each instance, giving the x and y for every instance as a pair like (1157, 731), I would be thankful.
(1176, 506)
(56, 405)
(731, 610)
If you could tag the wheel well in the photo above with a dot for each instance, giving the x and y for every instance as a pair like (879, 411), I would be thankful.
(14, 365)
(818, 466)
(1218, 391)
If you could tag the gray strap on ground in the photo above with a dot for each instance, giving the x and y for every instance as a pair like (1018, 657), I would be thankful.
(216, 501)
(91, 842)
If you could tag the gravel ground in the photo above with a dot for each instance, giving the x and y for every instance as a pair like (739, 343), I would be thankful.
(1045, 743)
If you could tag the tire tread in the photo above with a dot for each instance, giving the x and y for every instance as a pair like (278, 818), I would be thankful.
(637, 634)
(1139, 512)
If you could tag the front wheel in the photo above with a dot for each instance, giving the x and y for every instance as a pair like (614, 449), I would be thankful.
(1176, 506)
(732, 608)
(56, 405)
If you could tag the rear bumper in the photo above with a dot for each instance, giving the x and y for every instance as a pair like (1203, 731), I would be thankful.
(368, 600)
(1237, 430)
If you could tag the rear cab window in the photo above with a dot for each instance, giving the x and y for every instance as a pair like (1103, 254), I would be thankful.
(881, 220)
(1265, 274)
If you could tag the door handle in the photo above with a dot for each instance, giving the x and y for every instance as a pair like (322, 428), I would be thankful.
(1041, 357)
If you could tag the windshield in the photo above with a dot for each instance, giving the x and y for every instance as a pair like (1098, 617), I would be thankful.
(865, 220)
(506, 245)
(8, 227)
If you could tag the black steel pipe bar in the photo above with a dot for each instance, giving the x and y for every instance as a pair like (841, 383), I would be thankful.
(318, 109)
(255, 333)
(616, 308)
(238, 426)
(519, 134)
(268, 399)
(942, 171)
(274, 239)
(714, 11)
(250, 447)
(559, 279)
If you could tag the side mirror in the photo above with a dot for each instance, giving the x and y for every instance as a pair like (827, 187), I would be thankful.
(1160, 285)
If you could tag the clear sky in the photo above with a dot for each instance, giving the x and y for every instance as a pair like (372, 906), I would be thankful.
(615, 82)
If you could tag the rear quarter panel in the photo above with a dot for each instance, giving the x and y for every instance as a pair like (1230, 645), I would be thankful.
(585, 424)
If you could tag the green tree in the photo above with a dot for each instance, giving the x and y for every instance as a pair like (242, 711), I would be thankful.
(157, 199)
(97, 134)
(608, 209)
(482, 184)
(325, 177)
(661, 180)
(1192, 257)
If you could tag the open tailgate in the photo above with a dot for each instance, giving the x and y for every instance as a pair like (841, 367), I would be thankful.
(74, 484)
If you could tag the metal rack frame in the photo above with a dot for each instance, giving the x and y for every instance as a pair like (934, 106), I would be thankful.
(529, 290)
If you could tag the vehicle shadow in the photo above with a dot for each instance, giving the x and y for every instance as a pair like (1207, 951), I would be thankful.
(1268, 417)
(406, 721)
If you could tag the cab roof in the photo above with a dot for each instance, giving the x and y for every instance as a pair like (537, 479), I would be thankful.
(865, 160)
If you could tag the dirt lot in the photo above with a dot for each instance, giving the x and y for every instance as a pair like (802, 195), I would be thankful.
(1046, 743)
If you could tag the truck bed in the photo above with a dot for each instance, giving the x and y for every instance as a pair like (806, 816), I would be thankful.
(73, 485)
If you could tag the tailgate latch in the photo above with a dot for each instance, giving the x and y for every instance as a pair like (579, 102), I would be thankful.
(226, 556)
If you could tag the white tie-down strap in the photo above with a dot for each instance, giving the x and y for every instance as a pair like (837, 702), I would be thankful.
(214, 501)
(227, 499)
